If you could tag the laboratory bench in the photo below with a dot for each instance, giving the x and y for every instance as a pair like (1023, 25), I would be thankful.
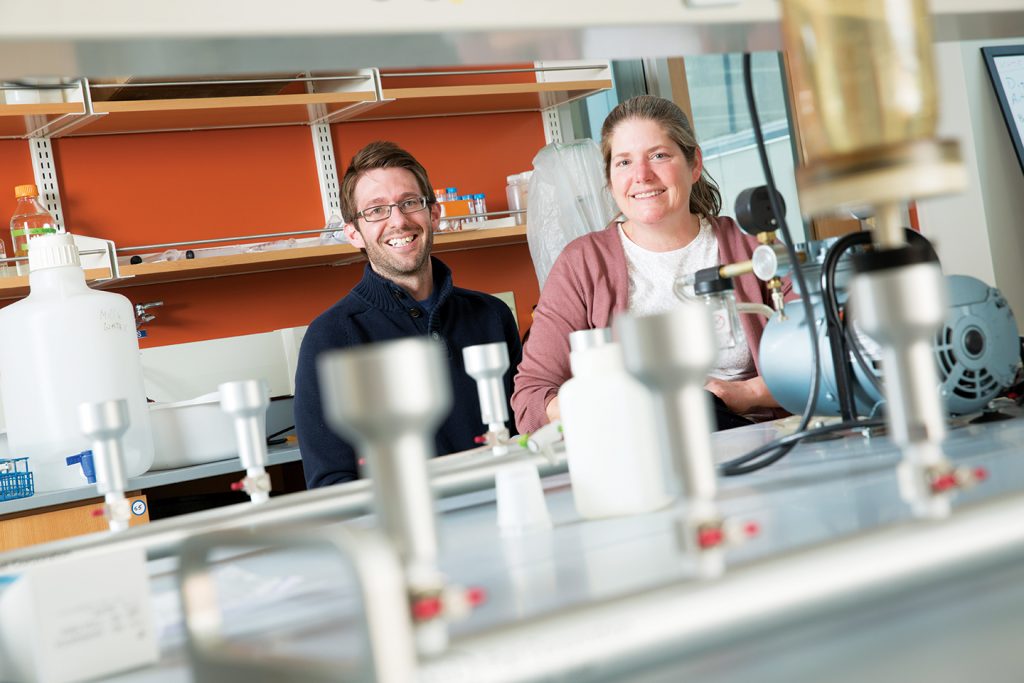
(156, 494)
(301, 603)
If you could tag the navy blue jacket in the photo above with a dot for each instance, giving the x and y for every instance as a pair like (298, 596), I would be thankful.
(379, 310)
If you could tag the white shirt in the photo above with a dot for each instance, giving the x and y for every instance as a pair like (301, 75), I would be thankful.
(651, 278)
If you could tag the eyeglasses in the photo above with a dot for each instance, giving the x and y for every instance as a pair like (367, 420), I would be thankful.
(383, 211)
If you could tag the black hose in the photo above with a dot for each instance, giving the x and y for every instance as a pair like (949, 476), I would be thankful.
(786, 443)
(812, 399)
(841, 337)
(848, 343)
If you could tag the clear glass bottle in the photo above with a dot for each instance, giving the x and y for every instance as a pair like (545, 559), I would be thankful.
(30, 220)
(720, 298)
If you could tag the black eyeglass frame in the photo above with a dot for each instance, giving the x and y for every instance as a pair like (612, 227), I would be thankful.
(423, 202)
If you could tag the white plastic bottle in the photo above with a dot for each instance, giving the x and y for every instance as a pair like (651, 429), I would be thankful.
(61, 346)
(611, 437)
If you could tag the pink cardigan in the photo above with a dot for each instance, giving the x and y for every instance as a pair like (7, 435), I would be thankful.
(586, 287)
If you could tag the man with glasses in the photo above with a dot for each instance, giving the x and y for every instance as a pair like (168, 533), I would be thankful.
(390, 214)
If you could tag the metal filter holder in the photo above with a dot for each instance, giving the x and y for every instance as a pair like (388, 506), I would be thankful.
(671, 354)
(246, 402)
(389, 399)
(104, 423)
(487, 364)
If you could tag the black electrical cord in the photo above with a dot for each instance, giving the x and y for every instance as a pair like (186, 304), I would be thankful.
(841, 336)
(838, 341)
(272, 439)
(785, 444)
(849, 344)
(855, 347)
(743, 464)
(280, 432)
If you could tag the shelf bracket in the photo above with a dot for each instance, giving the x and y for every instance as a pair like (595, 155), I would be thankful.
(326, 171)
(552, 126)
(115, 267)
(45, 171)
(326, 166)
(74, 121)
(321, 115)
(63, 125)
(556, 127)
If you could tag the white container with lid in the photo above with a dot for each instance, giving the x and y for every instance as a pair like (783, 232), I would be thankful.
(610, 431)
(61, 346)
(191, 432)
(516, 190)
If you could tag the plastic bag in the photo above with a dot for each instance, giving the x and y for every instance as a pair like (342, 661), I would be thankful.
(568, 198)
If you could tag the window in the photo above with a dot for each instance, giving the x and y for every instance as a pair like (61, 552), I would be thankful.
(714, 85)
(726, 136)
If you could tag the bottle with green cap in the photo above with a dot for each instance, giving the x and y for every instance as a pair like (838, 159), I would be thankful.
(30, 220)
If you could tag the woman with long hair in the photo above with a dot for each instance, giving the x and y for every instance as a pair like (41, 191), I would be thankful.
(669, 225)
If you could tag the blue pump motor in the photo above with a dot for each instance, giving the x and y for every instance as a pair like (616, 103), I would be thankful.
(977, 351)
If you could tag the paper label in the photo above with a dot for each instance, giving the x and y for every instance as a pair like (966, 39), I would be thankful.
(93, 616)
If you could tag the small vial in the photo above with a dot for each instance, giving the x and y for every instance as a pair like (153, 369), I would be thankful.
(481, 207)
(441, 196)
(452, 194)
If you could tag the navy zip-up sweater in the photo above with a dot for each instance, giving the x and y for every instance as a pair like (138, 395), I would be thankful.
(379, 310)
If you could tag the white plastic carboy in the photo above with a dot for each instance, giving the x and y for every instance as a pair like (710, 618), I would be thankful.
(611, 437)
(61, 346)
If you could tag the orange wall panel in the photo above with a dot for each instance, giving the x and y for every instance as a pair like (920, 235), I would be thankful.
(498, 269)
(165, 187)
(194, 310)
(471, 153)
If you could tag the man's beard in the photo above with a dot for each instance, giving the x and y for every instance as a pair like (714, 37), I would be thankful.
(390, 266)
